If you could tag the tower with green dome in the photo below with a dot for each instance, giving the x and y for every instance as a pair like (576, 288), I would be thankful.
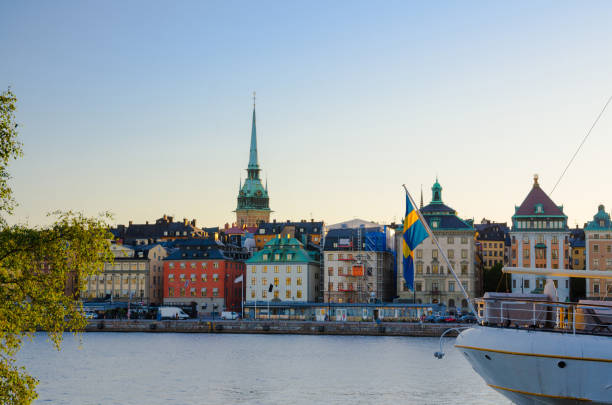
(253, 201)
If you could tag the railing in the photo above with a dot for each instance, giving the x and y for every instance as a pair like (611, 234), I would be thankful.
(582, 317)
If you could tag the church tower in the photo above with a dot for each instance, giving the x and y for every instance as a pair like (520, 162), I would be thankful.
(253, 201)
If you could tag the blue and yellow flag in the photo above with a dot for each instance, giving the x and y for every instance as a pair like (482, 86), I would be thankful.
(414, 234)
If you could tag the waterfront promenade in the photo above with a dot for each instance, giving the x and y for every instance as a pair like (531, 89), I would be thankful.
(273, 327)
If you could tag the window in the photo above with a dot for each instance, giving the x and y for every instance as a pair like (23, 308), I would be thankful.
(275, 281)
(330, 256)
(264, 293)
(276, 269)
(216, 265)
(595, 248)
(193, 292)
(204, 277)
(464, 268)
(171, 265)
(215, 292)
(596, 262)
(276, 294)
(418, 286)
(265, 256)
(182, 265)
(450, 240)
(193, 277)
(299, 293)
(609, 249)
(277, 257)
(193, 265)
(419, 268)
(464, 240)
(525, 253)
(170, 277)
(451, 254)
(182, 277)
(288, 269)
(252, 293)
(171, 291)
(264, 281)
(265, 269)
(451, 286)
(434, 254)
(434, 268)
(215, 277)
(287, 294)
(596, 288)
(526, 283)
(288, 256)
(299, 269)
(204, 266)
(253, 281)
(464, 253)
(419, 253)
(513, 283)
(182, 291)
(288, 281)
(299, 281)
(330, 271)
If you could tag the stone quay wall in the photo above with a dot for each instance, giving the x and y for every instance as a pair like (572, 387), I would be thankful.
(273, 327)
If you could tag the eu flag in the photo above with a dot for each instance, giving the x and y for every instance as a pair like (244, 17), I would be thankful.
(414, 234)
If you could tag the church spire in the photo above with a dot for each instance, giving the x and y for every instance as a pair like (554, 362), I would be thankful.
(421, 196)
(253, 163)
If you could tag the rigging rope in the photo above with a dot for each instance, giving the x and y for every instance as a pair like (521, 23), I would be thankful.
(581, 143)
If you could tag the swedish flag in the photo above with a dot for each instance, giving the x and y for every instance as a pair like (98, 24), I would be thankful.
(414, 234)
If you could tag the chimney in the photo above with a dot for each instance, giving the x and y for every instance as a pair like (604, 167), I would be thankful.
(193, 222)
(226, 226)
(185, 222)
(147, 222)
(274, 221)
(130, 223)
(311, 219)
(170, 219)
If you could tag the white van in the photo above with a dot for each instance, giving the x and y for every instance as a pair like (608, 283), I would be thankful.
(171, 313)
(229, 315)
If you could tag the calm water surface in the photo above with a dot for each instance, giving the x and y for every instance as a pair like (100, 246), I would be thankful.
(148, 368)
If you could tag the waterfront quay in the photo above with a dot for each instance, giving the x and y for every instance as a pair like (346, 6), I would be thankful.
(273, 327)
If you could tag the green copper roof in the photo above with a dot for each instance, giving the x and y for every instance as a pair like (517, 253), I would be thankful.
(436, 192)
(601, 221)
(287, 250)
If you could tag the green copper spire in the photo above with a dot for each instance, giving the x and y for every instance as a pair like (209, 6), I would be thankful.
(253, 164)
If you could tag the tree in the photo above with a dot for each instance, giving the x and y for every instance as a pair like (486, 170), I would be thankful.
(35, 263)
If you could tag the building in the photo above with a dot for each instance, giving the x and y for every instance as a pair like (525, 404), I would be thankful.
(578, 251)
(598, 237)
(309, 233)
(164, 229)
(253, 201)
(202, 272)
(540, 239)
(136, 275)
(358, 265)
(283, 270)
(433, 281)
(490, 243)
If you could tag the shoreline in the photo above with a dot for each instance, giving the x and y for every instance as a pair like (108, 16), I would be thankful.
(273, 326)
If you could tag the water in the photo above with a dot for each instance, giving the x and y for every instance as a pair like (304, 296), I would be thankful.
(139, 368)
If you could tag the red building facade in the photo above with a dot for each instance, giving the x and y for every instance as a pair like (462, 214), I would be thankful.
(203, 275)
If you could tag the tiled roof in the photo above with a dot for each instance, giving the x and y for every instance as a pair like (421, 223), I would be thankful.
(354, 236)
(538, 196)
(273, 228)
(284, 250)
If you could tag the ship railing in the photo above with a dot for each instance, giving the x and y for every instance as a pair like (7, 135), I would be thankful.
(583, 317)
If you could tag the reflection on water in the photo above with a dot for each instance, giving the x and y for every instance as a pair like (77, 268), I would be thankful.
(139, 368)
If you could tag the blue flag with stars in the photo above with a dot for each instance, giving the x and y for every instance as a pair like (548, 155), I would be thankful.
(414, 234)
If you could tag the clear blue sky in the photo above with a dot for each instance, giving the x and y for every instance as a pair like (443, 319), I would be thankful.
(143, 108)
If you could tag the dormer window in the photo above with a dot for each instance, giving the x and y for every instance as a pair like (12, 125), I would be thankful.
(265, 256)
(539, 209)
(262, 231)
(434, 224)
(601, 223)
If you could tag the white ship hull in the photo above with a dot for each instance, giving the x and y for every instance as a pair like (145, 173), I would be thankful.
(539, 367)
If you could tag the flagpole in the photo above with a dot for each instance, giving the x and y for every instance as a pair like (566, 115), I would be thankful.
(433, 237)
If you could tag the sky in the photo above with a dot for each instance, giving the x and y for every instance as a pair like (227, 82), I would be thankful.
(143, 108)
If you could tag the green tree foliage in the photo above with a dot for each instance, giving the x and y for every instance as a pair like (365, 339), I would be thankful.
(495, 280)
(35, 265)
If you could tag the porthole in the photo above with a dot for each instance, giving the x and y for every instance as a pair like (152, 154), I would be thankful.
(561, 364)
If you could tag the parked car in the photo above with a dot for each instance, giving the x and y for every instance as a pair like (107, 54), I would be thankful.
(440, 318)
(429, 318)
(171, 313)
(229, 315)
(468, 318)
(450, 319)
